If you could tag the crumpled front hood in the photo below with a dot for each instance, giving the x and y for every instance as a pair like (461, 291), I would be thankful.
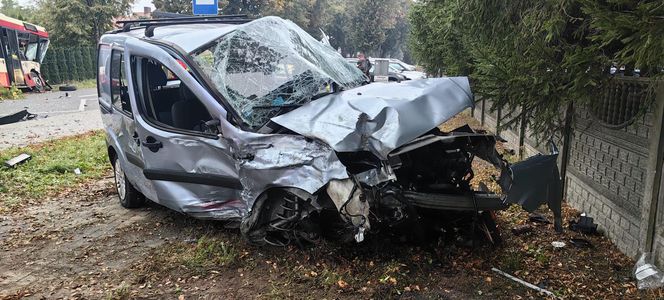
(380, 117)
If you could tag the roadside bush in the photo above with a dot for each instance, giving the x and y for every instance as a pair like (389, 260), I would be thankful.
(536, 57)
(11, 93)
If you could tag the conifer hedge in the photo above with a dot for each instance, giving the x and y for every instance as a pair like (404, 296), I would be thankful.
(65, 64)
(536, 57)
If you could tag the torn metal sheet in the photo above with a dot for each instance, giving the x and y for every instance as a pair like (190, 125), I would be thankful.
(382, 116)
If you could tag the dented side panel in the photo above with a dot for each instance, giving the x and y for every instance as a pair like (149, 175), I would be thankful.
(266, 161)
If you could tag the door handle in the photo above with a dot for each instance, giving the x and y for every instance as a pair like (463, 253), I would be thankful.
(152, 144)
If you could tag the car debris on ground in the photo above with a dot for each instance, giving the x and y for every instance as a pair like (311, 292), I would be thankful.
(17, 160)
(23, 115)
(584, 224)
(525, 283)
(647, 275)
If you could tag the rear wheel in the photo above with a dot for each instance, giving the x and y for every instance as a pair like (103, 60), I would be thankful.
(129, 196)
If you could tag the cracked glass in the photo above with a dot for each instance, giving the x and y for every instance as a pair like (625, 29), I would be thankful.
(270, 66)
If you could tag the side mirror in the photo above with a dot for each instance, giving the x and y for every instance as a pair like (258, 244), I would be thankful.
(212, 126)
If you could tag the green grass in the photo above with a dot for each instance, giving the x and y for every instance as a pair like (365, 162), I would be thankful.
(82, 84)
(210, 252)
(52, 166)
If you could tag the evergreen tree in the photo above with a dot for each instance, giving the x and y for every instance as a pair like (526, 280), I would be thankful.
(536, 57)
(173, 6)
(79, 22)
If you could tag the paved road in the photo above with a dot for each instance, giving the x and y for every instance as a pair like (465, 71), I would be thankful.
(59, 114)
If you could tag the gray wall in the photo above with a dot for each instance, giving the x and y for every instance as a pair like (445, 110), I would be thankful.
(606, 176)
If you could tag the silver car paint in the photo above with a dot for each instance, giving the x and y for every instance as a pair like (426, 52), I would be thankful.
(376, 117)
(380, 117)
(276, 160)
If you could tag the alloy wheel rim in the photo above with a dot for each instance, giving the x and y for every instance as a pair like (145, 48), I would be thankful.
(119, 180)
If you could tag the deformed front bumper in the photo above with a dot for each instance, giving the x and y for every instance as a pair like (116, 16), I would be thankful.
(462, 202)
(529, 183)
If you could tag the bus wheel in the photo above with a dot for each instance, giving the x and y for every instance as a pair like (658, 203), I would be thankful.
(39, 84)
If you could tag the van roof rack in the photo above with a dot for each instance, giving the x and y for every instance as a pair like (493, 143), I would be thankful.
(150, 24)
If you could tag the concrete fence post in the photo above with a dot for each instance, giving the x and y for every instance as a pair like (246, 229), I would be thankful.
(652, 194)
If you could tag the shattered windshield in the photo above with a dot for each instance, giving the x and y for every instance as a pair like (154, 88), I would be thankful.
(264, 67)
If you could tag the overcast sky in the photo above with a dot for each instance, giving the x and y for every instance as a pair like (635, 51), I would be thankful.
(138, 4)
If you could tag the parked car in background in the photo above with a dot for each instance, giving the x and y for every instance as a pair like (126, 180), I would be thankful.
(408, 74)
(406, 66)
(392, 75)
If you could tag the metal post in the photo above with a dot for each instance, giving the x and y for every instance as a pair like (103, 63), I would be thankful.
(498, 117)
(567, 140)
(522, 133)
(483, 111)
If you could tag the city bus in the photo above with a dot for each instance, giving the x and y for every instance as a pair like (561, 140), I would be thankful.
(23, 46)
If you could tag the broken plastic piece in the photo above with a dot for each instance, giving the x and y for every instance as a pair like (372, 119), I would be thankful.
(581, 243)
(557, 244)
(647, 275)
(584, 225)
(535, 181)
(521, 229)
(77, 171)
(359, 236)
(537, 218)
(17, 117)
(21, 158)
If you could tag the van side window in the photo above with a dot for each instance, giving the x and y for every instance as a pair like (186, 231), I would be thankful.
(119, 91)
(169, 102)
(103, 73)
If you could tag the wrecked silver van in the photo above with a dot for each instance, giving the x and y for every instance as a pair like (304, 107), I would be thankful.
(257, 122)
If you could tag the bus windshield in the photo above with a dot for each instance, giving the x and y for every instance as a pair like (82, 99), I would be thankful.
(32, 47)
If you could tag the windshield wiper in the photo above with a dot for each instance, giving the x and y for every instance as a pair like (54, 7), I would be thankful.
(277, 106)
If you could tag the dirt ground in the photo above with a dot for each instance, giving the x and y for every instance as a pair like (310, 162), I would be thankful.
(82, 244)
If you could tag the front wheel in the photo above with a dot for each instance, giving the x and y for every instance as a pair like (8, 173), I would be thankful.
(39, 84)
(129, 196)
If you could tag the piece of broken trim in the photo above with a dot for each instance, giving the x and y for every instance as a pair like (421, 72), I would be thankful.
(525, 283)
(581, 243)
(585, 225)
(17, 117)
(558, 244)
(21, 158)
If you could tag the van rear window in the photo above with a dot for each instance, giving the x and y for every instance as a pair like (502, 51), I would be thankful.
(103, 73)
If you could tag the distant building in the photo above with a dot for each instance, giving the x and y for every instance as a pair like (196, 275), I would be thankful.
(145, 14)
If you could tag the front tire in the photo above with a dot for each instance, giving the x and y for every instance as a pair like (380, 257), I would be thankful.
(128, 195)
(39, 85)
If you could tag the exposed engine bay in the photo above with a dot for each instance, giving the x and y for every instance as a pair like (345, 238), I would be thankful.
(422, 190)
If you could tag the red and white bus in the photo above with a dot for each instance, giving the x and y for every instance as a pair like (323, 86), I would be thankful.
(23, 48)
